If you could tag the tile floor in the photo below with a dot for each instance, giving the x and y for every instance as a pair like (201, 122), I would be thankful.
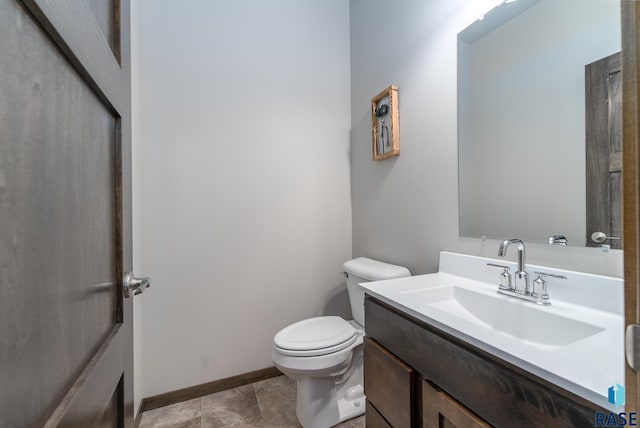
(267, 403)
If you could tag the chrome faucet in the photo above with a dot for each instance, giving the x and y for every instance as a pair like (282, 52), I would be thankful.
(521, 288)
(558, 240)
(521, 277)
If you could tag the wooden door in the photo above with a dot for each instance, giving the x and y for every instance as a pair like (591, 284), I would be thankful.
(65, 223)
(603, 102)
(631, 178)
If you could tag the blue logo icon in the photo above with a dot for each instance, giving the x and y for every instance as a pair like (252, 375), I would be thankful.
(616, 395)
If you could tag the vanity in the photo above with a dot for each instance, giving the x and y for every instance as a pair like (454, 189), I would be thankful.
(447, 350)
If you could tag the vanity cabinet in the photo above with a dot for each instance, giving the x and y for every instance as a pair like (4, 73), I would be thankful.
(416, 374)
(398, 397)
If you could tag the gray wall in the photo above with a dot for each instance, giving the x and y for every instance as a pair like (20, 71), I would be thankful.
(136, 183)
(405, 210)
(245, 219)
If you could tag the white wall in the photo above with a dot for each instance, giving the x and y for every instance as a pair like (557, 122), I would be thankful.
(136, 178)
(245, 202)
(405, 210)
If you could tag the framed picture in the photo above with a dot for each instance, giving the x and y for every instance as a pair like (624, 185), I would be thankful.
(384, 124)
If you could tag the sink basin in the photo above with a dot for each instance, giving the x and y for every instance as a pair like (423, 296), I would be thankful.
(524, 321)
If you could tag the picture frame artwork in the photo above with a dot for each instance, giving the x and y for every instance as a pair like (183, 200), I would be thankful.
(384, 124)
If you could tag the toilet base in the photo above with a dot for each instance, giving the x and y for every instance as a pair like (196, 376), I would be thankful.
(325, 401)
(352, 408)
(317, 406)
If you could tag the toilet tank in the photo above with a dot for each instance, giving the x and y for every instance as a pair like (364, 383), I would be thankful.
(363, 269)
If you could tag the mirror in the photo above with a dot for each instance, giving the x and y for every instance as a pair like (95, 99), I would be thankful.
(523, 112)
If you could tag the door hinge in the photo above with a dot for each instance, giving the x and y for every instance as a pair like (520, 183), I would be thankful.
(632, 346)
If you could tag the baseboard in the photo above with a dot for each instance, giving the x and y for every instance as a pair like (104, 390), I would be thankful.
(136, 420)
(196, 391)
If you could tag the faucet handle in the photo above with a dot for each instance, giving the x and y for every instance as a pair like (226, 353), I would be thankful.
(505, 277)
(499, 266)
(553, 275)
(540, 287)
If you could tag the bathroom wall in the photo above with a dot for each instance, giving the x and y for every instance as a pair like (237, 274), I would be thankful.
(405, 210)
(243, 132)
(136, 178)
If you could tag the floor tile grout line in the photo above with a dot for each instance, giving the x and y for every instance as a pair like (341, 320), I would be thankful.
(253, 386)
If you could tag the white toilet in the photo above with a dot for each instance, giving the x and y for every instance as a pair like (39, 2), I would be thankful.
(324, 354)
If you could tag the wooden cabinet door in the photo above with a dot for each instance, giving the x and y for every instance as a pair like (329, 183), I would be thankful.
(441, 411)
(65, 214)
(388, 384)
(374, 419)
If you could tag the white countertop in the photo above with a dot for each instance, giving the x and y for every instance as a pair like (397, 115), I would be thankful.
(587, 366)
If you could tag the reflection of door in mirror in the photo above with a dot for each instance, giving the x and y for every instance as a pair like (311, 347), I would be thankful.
(604, 149)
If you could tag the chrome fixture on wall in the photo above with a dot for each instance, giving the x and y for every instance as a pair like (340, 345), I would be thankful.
(558, 240)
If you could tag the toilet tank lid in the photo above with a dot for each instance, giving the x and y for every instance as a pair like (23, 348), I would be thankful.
(374, 270)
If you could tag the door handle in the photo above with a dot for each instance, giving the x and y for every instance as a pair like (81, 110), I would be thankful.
(133, 286)
(631, 342)
(600, 237)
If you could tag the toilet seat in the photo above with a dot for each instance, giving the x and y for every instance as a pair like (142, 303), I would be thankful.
(315, 337)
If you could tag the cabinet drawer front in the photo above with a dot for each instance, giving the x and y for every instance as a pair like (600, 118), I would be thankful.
(374, 418)
(441, 411)
(388, 384)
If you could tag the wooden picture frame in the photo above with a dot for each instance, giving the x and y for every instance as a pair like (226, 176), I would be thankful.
(385, 135)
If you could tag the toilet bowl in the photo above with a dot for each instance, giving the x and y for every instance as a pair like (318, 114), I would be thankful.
(324, 354)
